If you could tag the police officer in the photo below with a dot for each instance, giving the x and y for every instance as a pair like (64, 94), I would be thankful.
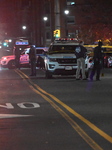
(80, 53)
(40, 62)
(32, 58)
(98, 61)
(17, 57)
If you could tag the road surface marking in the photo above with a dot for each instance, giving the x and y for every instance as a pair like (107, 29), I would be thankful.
(79, 130)
(12, 116)
(91, 125)
(21, 105)
(33, 105)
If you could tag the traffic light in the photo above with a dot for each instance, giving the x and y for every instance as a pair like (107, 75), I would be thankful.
(57, 33)
(54, 33)
(5, 44)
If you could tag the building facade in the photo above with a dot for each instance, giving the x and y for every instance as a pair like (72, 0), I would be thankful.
(42, 17)
(86, 20)
(31, 13)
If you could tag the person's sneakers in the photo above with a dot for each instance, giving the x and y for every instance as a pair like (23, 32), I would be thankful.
(84, 79)
(98, 80)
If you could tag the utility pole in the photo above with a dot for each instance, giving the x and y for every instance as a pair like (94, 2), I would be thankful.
(57, 15)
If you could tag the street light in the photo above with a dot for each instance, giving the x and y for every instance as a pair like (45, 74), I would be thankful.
(10, 40)
(24, 27)
(66, 12)
(45, 18)
(24, 31)
(66, 28)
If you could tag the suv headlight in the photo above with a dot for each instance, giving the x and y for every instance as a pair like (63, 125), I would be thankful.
(4, 58)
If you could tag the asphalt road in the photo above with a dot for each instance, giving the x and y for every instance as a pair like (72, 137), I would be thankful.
(54, 114)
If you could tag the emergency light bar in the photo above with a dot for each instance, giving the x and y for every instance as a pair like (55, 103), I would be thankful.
(66, 39)
(22, 42)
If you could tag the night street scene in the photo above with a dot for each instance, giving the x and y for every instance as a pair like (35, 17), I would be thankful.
(55, 75)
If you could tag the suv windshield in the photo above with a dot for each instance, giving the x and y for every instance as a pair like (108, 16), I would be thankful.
(62, 48)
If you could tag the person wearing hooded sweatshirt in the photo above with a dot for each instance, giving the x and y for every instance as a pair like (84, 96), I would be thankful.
(98, 62)
(80, 52)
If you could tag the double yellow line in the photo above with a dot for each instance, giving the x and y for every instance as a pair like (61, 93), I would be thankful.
(81, 132)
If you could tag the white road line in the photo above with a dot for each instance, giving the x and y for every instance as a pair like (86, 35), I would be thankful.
(12, 116)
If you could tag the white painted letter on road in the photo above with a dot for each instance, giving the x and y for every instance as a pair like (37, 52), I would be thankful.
(8, 106)
(24, 105)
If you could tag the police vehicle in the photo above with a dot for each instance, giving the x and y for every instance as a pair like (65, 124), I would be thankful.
(107, 50)
(9, 61)
(61, 59)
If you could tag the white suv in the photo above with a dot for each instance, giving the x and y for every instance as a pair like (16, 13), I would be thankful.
(60, 58)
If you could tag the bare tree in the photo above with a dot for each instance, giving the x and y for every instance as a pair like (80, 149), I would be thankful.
(93, 19)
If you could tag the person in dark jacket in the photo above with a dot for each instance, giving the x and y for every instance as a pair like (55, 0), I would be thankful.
(32, 58)
(17, 57)
(40, 62)
(80, 53)
(98, 61)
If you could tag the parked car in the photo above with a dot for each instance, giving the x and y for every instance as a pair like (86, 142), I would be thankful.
(108, 60)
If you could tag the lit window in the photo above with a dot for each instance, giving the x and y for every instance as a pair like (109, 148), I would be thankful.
(70, 3)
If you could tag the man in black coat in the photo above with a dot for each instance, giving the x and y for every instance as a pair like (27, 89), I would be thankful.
(32, 58)
(98, 61)
(17, 56)
(40, 62)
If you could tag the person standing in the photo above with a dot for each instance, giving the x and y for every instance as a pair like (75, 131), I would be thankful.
(32, 58)
(98, 61)
(80, 52)
(40, 62)
(17, 57)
